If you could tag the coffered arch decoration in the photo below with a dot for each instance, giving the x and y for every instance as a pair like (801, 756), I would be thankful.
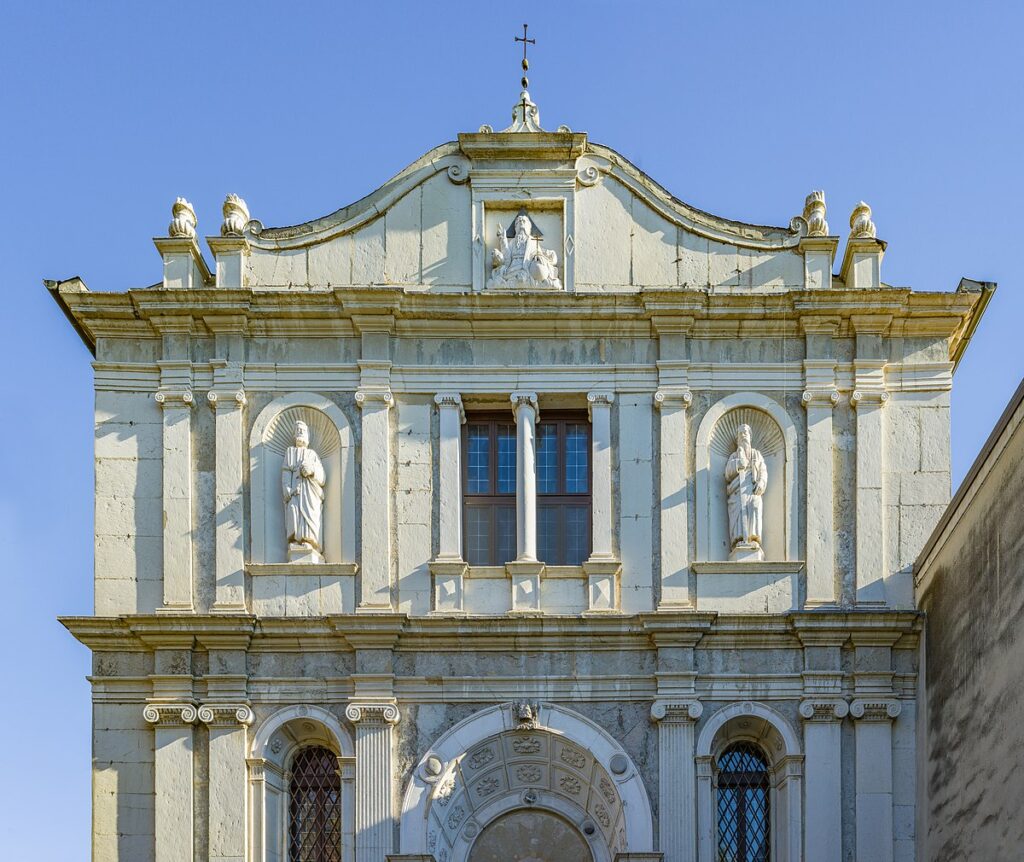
(774, 435)
(492, 770)
(331, 438)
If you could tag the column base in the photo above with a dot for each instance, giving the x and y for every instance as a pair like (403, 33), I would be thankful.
(525, 575)
(602, 585)
(448, 585)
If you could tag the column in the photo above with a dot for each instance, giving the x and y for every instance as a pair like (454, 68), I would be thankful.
(675, 545)
(870, 508)
(677, 779)
(375, 563)
(820, 553)
(230, 549)
(373, 791)
(173, 751)
(227, 779)
(824, 778)
(524, 406)
(177, 498)
(873, 763)
(449, 568)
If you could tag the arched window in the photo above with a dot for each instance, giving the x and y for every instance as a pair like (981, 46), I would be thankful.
(314, 807)
(743, 797)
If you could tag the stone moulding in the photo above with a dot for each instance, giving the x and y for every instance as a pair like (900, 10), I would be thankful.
(329, 569)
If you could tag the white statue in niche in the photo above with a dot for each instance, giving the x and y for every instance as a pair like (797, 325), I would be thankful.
(519, 260)
(302, 482)
(746, 479)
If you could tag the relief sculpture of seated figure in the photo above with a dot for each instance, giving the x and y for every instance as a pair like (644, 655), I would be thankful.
(518, 260)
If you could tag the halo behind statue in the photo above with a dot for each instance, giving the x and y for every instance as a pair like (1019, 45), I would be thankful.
(323, 436)
(765, 434)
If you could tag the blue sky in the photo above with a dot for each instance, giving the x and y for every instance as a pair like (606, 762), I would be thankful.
(110, 110)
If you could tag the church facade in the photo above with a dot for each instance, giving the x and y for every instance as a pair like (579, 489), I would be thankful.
(516, 511)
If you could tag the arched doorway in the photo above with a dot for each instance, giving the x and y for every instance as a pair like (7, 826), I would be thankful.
(530, 835)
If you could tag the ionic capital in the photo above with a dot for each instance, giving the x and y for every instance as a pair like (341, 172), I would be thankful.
(875, 709)
(226, 714)
(676, 711)
(868, 397)
(679, 398)
(450, 401)
(372, 397)
(170, 714)
(227, 399)
(599, 398)
(174, 398)
(824, 709)
(819, 398)
(522, 398)
(373, 713)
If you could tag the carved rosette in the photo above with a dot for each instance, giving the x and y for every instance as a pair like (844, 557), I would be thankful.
(678, 398)
(170, 714)
(819, 398)
(372, 713)
(183, 220)
(226, 714)
(875, 709)
(824, 709)
(676, 710)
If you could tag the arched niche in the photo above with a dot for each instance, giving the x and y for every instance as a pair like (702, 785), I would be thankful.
(274, 747)
(758, 723)
(486, 768)
(331, 438)
(774, 435)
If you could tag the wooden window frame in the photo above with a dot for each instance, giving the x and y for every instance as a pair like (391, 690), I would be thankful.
(561, 498)
(492, 500)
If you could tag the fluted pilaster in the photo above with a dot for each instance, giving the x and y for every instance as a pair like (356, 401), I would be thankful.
(373, 777)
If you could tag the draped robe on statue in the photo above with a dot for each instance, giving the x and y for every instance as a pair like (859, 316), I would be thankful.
(303, 496)
(746, 477)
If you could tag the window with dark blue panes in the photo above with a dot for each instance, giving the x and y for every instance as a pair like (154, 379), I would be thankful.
(563, 489)
(489, 490)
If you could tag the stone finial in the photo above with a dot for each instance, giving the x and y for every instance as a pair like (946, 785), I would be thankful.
(525, 115)
(236, 216)
(183, 220)
(861, 226)
(814, 214)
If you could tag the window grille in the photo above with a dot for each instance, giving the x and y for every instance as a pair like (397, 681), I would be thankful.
(743, 805)
(314, 809)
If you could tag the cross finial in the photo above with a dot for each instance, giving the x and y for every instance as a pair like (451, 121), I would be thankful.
(526, 63)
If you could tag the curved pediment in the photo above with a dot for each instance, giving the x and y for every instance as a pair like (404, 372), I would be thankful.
(597, 224)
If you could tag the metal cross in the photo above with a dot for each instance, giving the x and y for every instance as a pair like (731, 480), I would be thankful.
(526, 63)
